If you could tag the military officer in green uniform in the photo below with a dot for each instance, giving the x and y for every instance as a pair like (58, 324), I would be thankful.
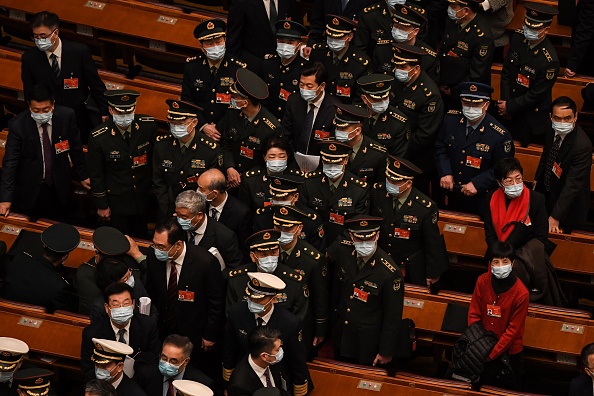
(282, 71)
(299, 255)
(409, 232)
(209, 75)
(387, 125)
(334, 192)
(417, 96)
(367, 158)
(246, 126)
(344, 63)
(120, 164)
(370, 295)
(181, 156)
(264, 253)
(406, 26)
(529, 73)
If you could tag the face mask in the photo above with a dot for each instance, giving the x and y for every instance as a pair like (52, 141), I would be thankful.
(333, 171)
(308, 94)
(235, 105)
(472, 113)
(531, 34)
(399, 35)
(161, 255)
(167, 369)
(452, 14)
(286, 51)
(130, 281)
(256, 308)
(380, 107)
(342, 136)
(402, 75)
(123, 120)
(178, 131)
(514, 191)
(501, 272)
(278, 357)
(6, 376)
(563, 128)
(392, 189)
(122, 315)
(268, 264)
(42, 118)
(282, 203)
(365, 248)
(335, 45)
(276, 166)
(102, 374)
(394, 3)
(286, 238)
(215, 53)
(205, 196)
(45, 44)
(185, 224)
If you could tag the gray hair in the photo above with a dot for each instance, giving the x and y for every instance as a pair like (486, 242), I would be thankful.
(97, 387)
(191, 200)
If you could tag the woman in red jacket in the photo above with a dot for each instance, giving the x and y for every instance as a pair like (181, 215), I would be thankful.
(500, 302)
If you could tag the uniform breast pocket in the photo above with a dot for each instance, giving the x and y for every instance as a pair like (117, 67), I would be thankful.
(342, 275)
(115, 161)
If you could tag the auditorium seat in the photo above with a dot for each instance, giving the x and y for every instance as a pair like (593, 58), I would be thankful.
(355, 368)
(491, 390)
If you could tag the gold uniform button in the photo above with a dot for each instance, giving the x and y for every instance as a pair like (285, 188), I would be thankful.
(346, 322)
(348, 310)
(181, 172)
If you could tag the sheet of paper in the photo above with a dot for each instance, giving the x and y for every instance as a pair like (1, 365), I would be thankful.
(129, 366)
(215, 252)
(145, 305)
(307, 163)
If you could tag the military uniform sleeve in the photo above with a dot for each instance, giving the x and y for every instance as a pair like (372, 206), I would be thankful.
(229, 348)
(428, 123)
(442, 159)
(10, 162)
(317, 238)
(485, 181)
(582, 35)
(393, 303)
(96, 164)
(436, 256)
(96, 85)
(226, 143)
(215, 292)
(231, 297)
(362, 35)
(160, 183)
(505, 83)
(482, 58)
(490, 234)
(235, 22)
(187, 90)
(363, 202)
(319, 295)
(287, 122)
(543, 85)
(77, 157)
(296, 350)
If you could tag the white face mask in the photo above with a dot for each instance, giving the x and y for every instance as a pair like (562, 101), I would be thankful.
(453, 14)
(276, 166)
(563, 128)
(380, 107)
(268, 264)
(215, 53)
(365, 248)
(502, 271)
(179, 131)
(42, 118)
(333, 171)
(394, 3)
(472, 113)
(335, 45)
(286, 238)
(531, 34)
(286, 51)
(514, 191)
(399, 35)
(402, 75)
(393, 189)
(45, 44)
(123, 120)
(343, 136)
(308, 94)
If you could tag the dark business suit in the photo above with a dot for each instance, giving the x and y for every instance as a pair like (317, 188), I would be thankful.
(569, 198)
(143, 338)
(129, 388)
(236, 216)
(22, 166)
(76, 63)
(581, 386)
(151, 380)
(324, 7)
(294, 123)
(244, 380)
(218, 236)
(249, 32)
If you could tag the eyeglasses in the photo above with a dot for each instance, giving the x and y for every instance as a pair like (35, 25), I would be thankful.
(160, 247)
(510, 182)
(42, 36)
(118, 305)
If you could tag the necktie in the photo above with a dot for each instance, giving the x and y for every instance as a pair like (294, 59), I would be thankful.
(171, 294)
(469, 131)
(267, 375)
(353, 155)
(551, 161)
(214, 214)
(121, 334)
(335, 60)
(47, 156)
(372, 121)
(170, 389)
(344, 3)
(284, 257)
(273, 16)
(397, 205)
(332, 188)
(55, 66)
(259, 322)
(127, 137)
(191, 237)
(309, 120)
(213, 70)
(360, 263)
(183, 149)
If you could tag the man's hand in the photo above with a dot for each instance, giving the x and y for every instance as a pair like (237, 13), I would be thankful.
(105, 214)
(317, 341)
(211, 131)
(207, 345)
(444, 89)
(133, 252)
(381, 359)
(86, 183)
(5, 208)
(554, 225)
(502, 107)
(104, 118)
(233, 178)
(569, 73)
(431, 281)
(447, 182)
(534, 185)
(306, 52)
(468, 189)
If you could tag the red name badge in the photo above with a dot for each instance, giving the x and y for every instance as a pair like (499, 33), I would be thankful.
(246, 152)
(336, 218)
(139, 161)
(223, 98)
(185, 295)
(321, 135)
(557, 170)
(473, 162)
(193, 179)
(267, 203)
(343, 91)
(360, 294)
(70, 83)
(523, 80)
(284, 94)
(494, 311)
(62, 146)
(401, 233)
(452, 54)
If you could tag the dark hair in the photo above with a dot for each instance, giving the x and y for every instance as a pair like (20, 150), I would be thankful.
(317, 69)
(172, 228)
(97, 387)
(117, 288)
(505, 166)
(40, 93)
(501, 250)
(565, 101)
(45, 18)
(274, 141)
(474, 7)
(181, 342)
(587, 351)
(262, 339)
(108, 271)
(52, 256)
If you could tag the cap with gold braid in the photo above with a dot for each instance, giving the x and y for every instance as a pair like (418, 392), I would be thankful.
(263, 241)
(338, 26)
(107, 351)
(11, 352)
(248, 84)
(123, 101)
(33, 381)
(465, 2)
(290, 29)
(349, 114)
(404, 53)
(287, 216)
(180, 110)
(400, 169)
(539, 15)
(281, 186)
(376, 86)
(262, 284)
(473, 92)
(209, 29)
(406, 16)
(363, 226)
(191, 388)
(333, 152)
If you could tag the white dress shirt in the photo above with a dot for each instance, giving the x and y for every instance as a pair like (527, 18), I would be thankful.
(260, 371)
(116, 330)
(178, 264)
(267, 6)
(218, 208)
(57, 52)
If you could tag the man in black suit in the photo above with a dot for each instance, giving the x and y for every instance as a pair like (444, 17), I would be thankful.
(191, 214)
(185, 284)
(260, 368)
(308, 116)
(108, 357)
(122, 325)
(66, 67)
(582, 385)
(36, 171)
(224, 207)
(37, 280)
(563, 173)
(251, 31)
(157, 379)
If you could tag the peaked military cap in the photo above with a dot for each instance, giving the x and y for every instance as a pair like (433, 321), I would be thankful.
(404, 53)
(11, 352)
(180, 110)
(290, 29)
(376, 85)
(407, 16)
(60, 238)
(107, 351)
(263, 240)
(539, 15)
(338, 26)
(282, 185)
(363, 226)
(248, 84)
(123, 101)
(191, 388)
(475, 92)
(349, 114)
(110, 241)
(287, 216)
(262, 284)
(33, 381)
(465, 2)
(332, 151)
(401, 169)
(209, 29)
